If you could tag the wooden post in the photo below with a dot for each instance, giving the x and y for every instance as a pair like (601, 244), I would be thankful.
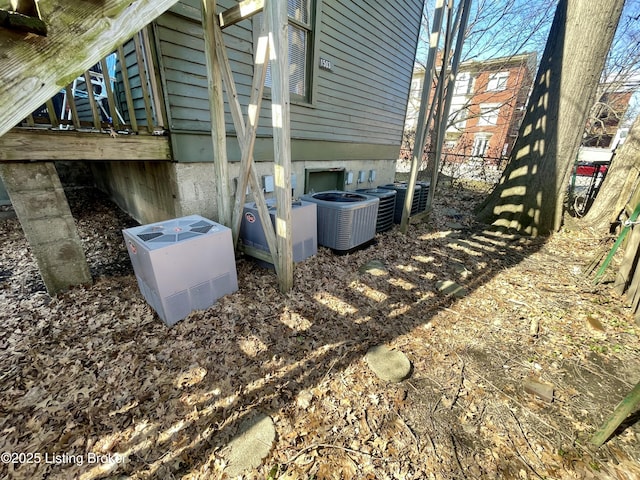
(216, 107)
(53, 116)
(115, 121)
(97, 124)
(71, 104)
(247, 138)
(460, 28)
(423, 120)
(277, 23)
(624, 408)
(156, 95)
(127, 89)
(142, 72)
(629, 263)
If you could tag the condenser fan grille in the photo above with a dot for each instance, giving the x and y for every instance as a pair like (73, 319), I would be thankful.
(204, 229)
(174, 231)
(149, 236)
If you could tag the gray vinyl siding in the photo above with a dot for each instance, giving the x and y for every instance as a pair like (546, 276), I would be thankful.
(183, 66)
(371, 45)
(366, 93)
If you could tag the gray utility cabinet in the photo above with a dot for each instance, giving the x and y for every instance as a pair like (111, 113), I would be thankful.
(183, 264)
(303, 224)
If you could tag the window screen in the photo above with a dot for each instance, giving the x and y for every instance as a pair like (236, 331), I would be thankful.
(299, 12)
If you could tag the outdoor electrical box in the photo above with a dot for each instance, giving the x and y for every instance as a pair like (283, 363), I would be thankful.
(268, 183)
(349, 179)
(183, 264)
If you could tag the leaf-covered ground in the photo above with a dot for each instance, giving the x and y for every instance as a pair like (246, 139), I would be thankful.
(93, 385)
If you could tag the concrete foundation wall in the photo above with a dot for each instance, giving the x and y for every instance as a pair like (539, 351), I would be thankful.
(145, 190)
(155, 191)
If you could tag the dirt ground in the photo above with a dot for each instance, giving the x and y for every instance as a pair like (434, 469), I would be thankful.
(94, 385)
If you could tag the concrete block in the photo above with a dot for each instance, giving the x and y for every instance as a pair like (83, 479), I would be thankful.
(250, 446)
(43, 204)
(41, 231)
(21, 177)
(45, 217)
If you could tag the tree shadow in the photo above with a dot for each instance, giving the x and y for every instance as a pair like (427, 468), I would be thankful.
(630, 421)
(526, 198)
(222, 366)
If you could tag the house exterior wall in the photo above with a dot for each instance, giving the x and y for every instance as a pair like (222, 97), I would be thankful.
(505, 107)
(352, 119)
(156, 191)
(361, 100)
(605, 118)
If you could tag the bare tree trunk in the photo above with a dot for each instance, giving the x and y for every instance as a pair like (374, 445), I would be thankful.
(619, 184)
(529, 197)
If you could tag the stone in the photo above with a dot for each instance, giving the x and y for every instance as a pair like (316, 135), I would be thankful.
(253, 442)
(389, 365)
(374, 267)
(454, 226)
(449, 287)
(543, 391)
(451, 212)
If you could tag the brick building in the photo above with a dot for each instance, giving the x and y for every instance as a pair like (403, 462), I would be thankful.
(487, 106)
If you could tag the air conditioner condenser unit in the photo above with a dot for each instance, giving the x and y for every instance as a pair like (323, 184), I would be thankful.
(346, 220)
(182, 264)
(303, 224)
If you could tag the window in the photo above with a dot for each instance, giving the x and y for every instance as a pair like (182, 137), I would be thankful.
(497, 81)
(463, 84)
(457, 118)
(480, 145)
(488, 114)
(300, 47)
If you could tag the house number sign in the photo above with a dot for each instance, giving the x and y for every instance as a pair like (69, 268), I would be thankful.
(325, 64)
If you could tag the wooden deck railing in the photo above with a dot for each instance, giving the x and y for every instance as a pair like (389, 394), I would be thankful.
(117, 95)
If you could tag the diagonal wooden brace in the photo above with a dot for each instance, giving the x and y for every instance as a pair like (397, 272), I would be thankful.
(247, 136)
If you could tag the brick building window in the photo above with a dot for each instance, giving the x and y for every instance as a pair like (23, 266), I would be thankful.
(480, 145)
(497, 81)
(463, 84)
(489, 114)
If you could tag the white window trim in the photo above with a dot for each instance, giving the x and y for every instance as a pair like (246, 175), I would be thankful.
(500, 79)
(480, 139)
(489, 108)
(458, 119)
(464, 81)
